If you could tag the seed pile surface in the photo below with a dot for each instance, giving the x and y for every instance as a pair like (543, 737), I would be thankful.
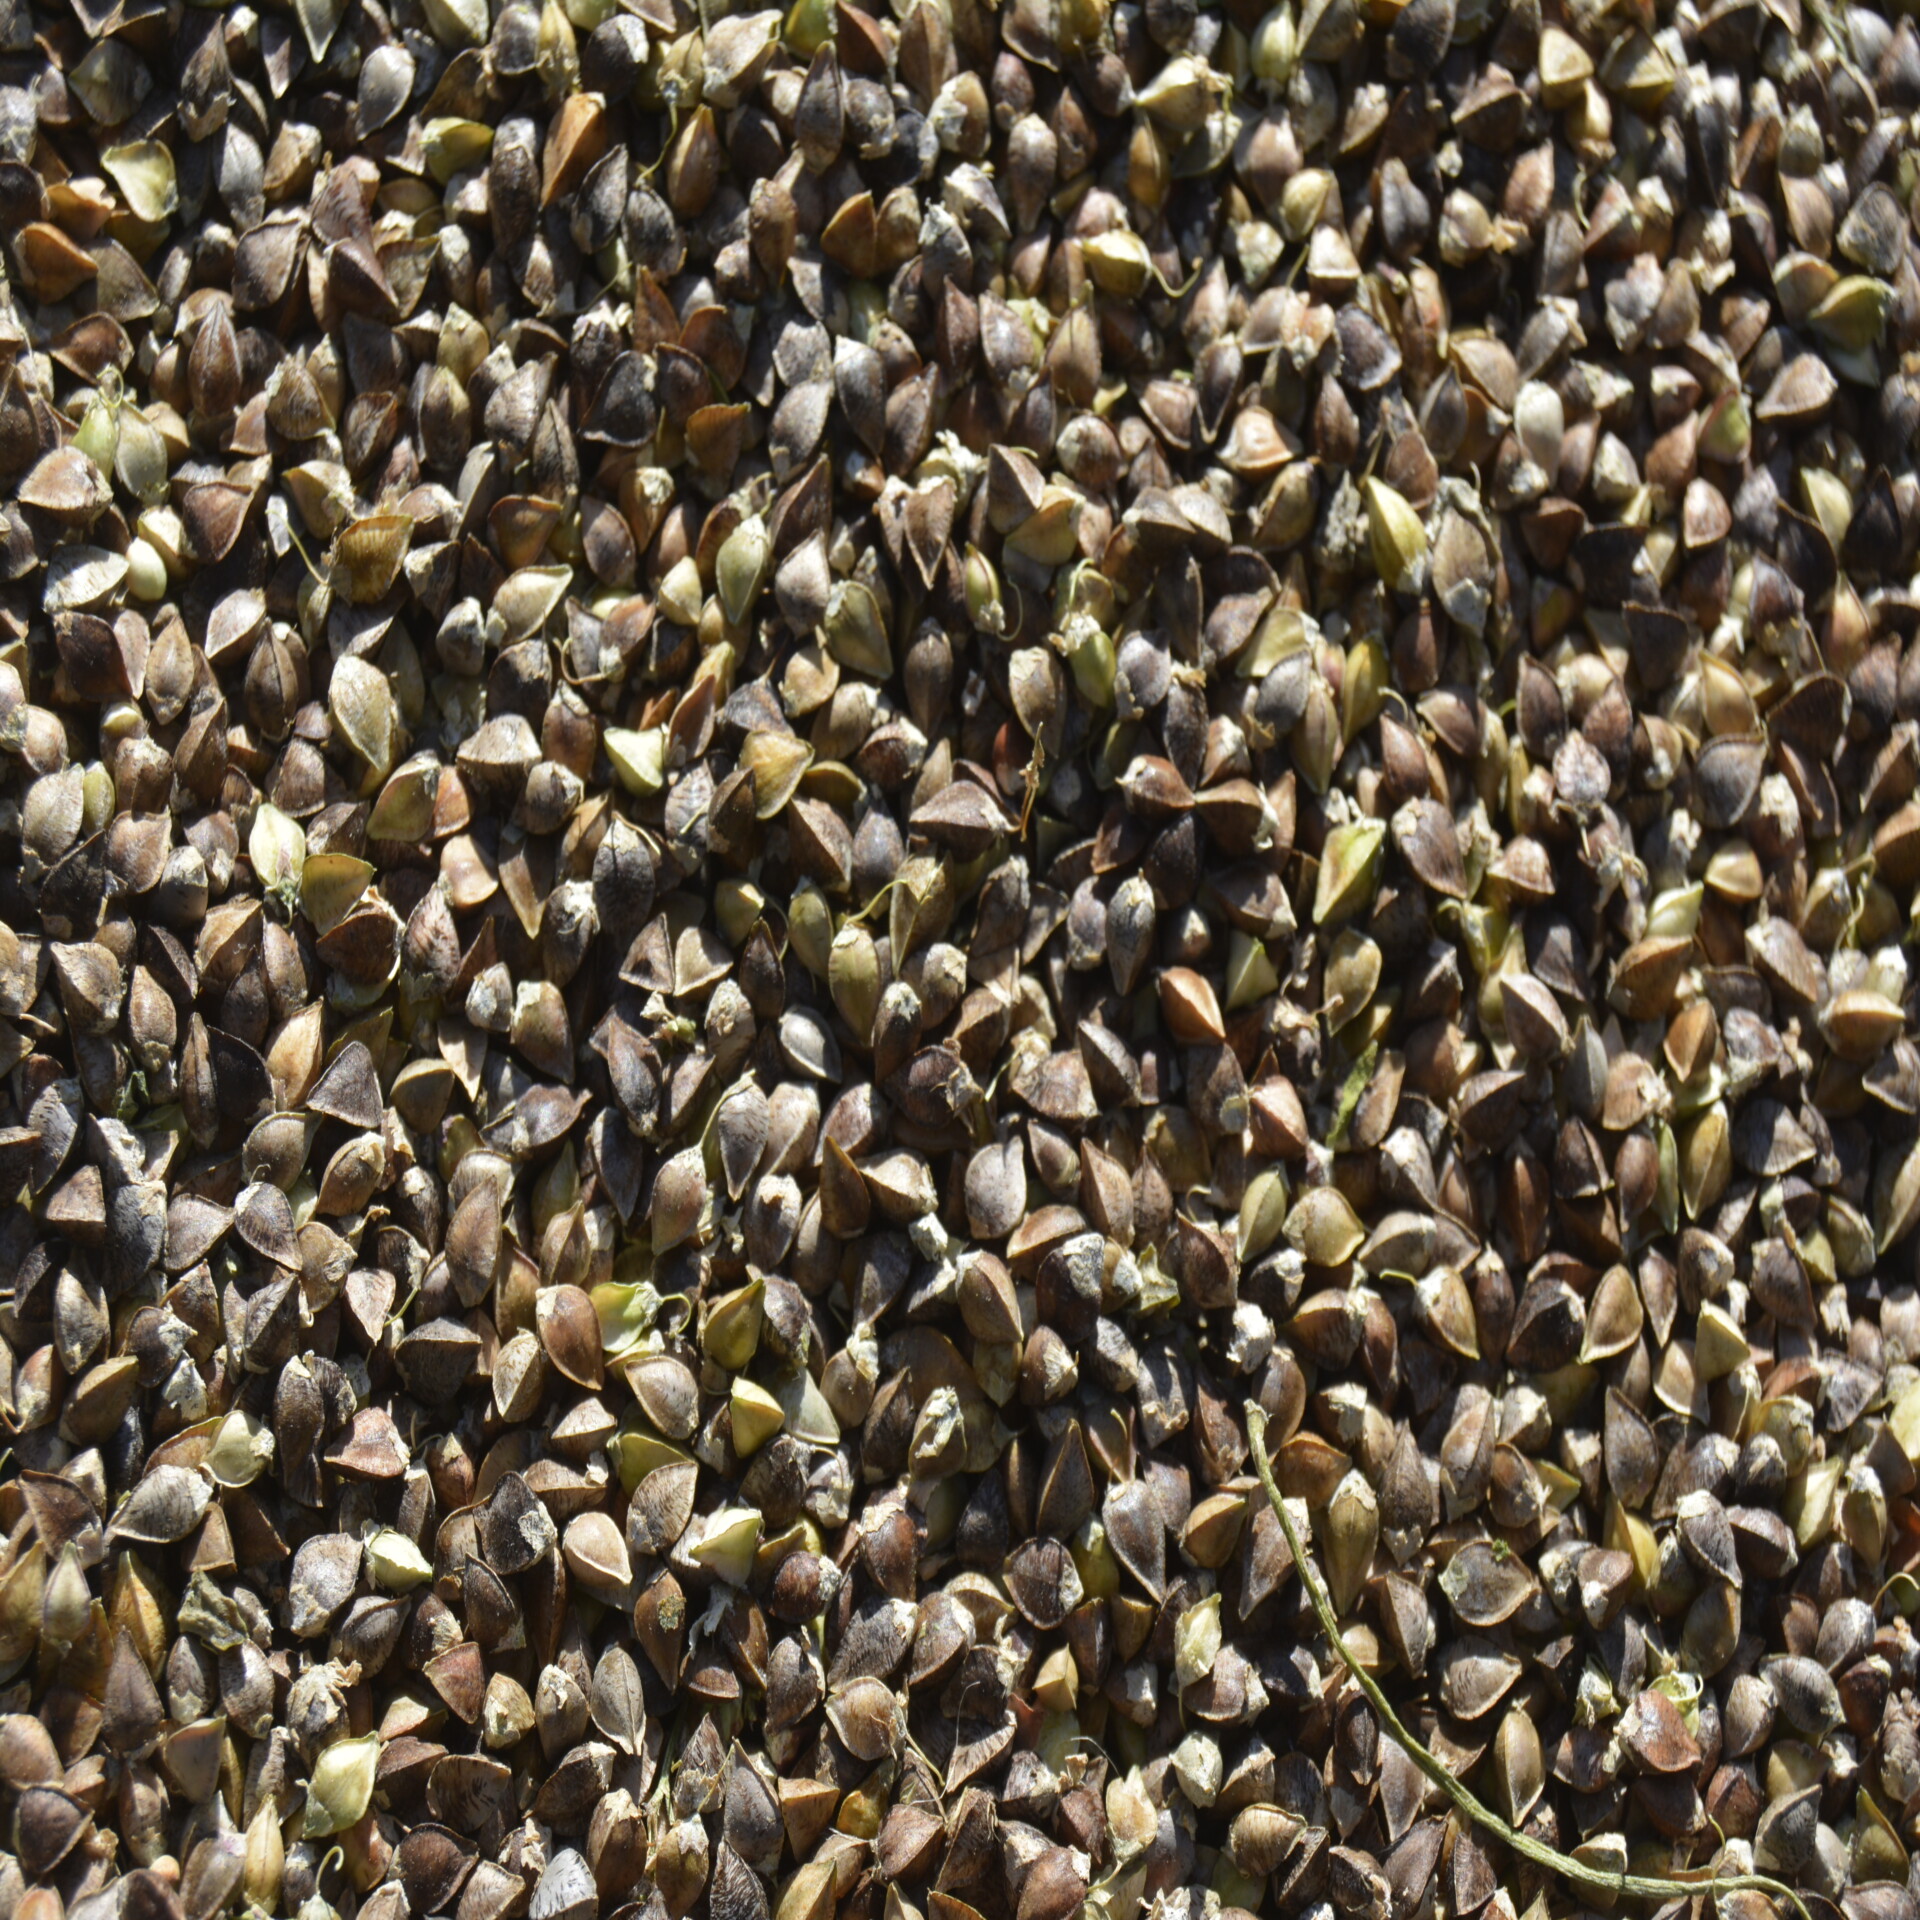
(778, 789)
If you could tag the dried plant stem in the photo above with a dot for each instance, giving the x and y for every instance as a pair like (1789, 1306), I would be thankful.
(1581, 1873)
(1839, 31)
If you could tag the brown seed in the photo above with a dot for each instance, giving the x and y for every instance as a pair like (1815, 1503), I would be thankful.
(570, 1333)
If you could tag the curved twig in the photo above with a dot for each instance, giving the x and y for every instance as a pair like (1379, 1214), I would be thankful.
(1580, 1873)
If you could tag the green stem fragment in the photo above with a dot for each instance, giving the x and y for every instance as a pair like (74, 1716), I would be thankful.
(1580, 1873)
(1840, 32)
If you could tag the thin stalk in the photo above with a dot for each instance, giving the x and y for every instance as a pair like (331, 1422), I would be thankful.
(1580, 1873)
